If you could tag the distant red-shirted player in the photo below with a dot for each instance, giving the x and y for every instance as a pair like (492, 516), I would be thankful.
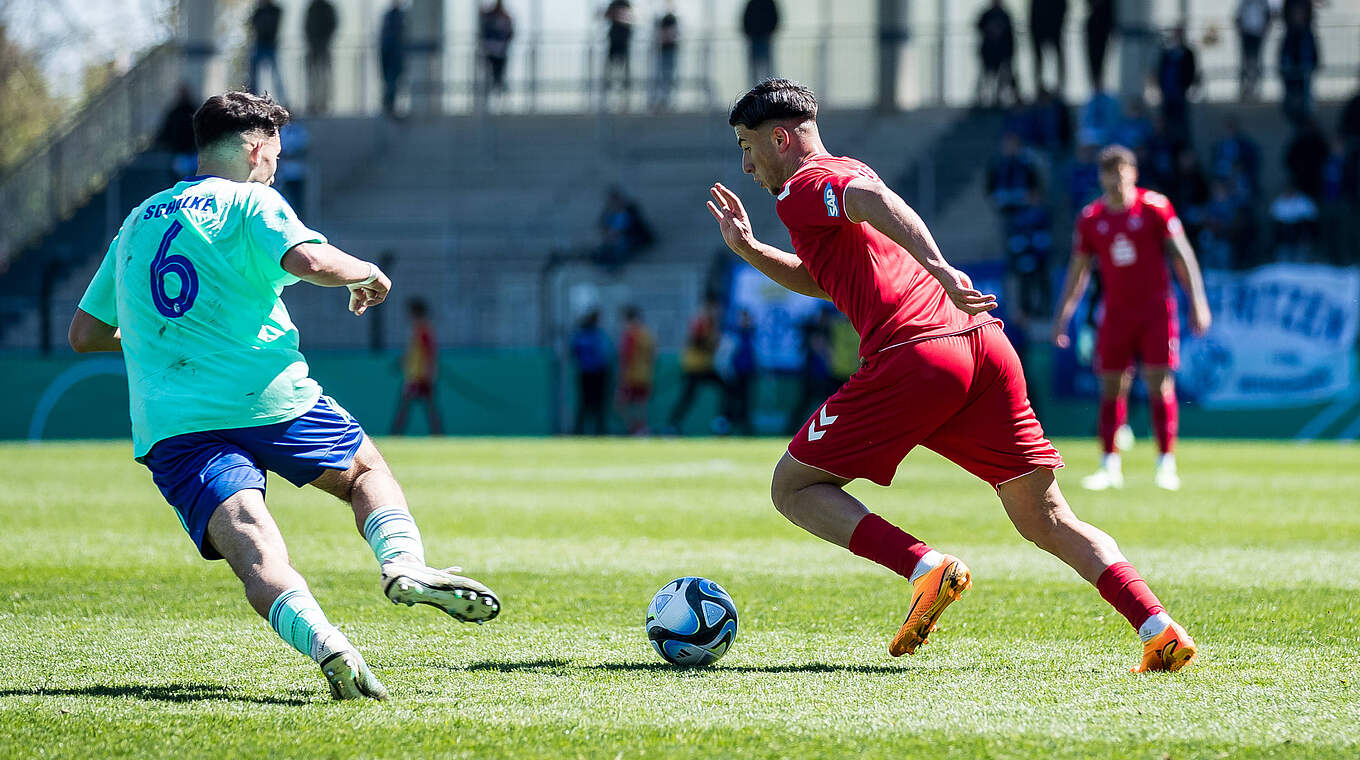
(935, 371)
(1130, 233)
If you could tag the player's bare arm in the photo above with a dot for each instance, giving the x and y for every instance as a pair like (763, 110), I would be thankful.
(780, 266)
(1074, 286)
(1186, 267)
(875, 203)
(88, 334)
(325, 265)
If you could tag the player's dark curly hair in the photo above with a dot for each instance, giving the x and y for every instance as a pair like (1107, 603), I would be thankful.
(237, 113)
(773, 99)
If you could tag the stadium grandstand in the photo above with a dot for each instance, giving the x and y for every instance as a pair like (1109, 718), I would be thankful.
(480, 177)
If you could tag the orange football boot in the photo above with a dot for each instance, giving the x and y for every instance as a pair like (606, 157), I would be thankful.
(934, 591)
(1170, 650)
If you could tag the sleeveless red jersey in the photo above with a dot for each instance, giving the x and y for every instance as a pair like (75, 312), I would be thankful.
(1130, 250)
(888, 296)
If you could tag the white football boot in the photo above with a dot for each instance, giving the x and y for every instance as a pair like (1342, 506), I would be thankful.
(1166, 477)
(1110, 475)
(349, 676)
(464, 599)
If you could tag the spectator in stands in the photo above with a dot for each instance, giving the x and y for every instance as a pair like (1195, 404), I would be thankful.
(1299, 58)
(1294, 225)
(667, 57)
(1223, 241)
(1029, 248)
(1190, 193)
(1334, 173)
(318, 27)
(759, 22)
(1099, 119)
(739, 378)
(996, 48)
(637, 367)
(1099, 26)
(1011, 176)
(1236, 159)
(419, 369)
(392, 54)
(264, 45)
(1135, 129)
(697, 361)
(1083, 178)
(1157, 164)
(623, 231)
(1305, 158)
(1177, 74)
(495, 30)
(1046, 21)
(1253, 21)
(1348, 127)
(590, 352)
(176, 135)
(618, 57)
(291, 177)
(1052, 122)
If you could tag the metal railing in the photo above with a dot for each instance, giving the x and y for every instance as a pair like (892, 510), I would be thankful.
(939, 67)
(79, 159)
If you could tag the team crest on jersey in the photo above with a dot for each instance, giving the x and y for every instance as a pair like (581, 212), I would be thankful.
(1102, 227)
(1135, 222)
(832, 208)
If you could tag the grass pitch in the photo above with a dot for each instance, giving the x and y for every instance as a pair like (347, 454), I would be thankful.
(118, 641)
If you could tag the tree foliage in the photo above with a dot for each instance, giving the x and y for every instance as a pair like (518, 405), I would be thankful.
(28, 110)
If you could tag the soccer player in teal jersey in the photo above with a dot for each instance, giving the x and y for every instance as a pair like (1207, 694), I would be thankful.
(189, 292)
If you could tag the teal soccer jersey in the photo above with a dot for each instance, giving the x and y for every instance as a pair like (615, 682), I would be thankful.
(193, 280)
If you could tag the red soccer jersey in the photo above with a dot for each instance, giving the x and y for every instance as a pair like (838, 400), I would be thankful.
(1130, 248)
(888, 296)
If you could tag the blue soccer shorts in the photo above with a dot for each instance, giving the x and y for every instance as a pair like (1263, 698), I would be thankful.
(198, 471)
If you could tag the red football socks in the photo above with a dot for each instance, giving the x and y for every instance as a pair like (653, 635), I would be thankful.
(1114, 412)
(1165, 420)
(879, 540)
(1127, 592)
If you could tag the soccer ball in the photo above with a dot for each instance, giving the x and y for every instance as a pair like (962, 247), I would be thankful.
(691, 622)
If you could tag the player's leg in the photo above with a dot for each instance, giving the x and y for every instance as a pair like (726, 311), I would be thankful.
(1161, 355)
(896, 400)
(385, 522)
(403, 408)
(244, 533)
(432, 410)
(1036, 506)
(1114, 414)
(1161, 387)
(817, 502)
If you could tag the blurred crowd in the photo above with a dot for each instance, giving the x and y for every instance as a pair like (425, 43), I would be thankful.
(719, 359)
(1045, 166)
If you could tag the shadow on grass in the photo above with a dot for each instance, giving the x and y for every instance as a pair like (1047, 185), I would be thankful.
(165, 693)
(657, 667)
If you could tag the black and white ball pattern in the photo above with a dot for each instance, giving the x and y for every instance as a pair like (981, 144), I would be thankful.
(691, 621)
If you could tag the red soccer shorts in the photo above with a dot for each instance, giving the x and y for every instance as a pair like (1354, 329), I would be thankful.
(962, 396)
(1149, 336)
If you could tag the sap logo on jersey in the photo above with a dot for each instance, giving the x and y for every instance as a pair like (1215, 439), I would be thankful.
(205, 202)
(832, 208)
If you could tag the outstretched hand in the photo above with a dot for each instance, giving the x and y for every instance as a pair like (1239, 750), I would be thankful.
(732, 220)
(961, 291)
(361, 297)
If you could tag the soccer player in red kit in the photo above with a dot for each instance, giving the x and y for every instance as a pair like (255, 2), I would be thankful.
(935, 370)
(1131, 233)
